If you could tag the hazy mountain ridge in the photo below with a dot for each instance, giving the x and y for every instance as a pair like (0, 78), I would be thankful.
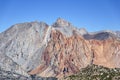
(43, 50)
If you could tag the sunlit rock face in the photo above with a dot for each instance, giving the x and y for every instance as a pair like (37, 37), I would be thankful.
(20, 43)
(36, 48)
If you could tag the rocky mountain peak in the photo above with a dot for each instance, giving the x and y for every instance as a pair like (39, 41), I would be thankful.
(83, 31)
(61, 23)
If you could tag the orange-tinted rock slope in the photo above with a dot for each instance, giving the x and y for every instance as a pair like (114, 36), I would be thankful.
(66, 55)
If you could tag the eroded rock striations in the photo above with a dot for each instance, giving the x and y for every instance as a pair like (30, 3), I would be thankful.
(36, 48)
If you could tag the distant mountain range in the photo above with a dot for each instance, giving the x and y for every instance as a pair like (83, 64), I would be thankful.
(59, 50)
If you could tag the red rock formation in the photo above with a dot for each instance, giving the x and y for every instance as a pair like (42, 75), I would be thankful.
(67, 55)
(106, 52)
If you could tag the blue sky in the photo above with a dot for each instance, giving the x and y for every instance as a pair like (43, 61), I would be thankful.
(94, 15)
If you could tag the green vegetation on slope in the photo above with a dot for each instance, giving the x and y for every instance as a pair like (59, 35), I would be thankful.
(94, 72)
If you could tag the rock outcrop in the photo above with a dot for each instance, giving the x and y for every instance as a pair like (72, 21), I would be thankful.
(59, 50)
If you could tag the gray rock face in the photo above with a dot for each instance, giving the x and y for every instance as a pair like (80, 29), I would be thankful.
(67, 28)
(19, 44)
(61, 23)
(8, 75)
(118, 34)
(83, 31)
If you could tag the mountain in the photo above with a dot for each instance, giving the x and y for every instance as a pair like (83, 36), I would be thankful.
(35, 48)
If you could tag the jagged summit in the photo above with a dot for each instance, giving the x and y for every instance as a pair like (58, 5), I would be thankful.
(61, 23)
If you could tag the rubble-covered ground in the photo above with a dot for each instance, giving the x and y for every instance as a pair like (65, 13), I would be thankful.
(8, 75)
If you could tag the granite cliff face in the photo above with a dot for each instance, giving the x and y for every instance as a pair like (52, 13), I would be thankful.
(59, 50)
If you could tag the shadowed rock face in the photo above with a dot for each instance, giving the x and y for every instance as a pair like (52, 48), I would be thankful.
(97, 36)
(56, 51)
